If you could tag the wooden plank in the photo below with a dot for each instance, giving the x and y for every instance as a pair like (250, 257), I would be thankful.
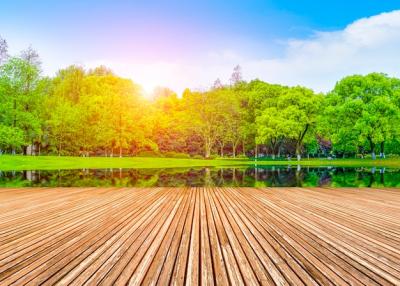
(325, 230)
(114, 226)
(293, 272)
(251, 248)
(115, 252)
(199, 236)
(178, 275)
(296, 234)
(160, 259)
(206, 273)
(231, 265)
(248, 264)
(219, 265)
(193, 265)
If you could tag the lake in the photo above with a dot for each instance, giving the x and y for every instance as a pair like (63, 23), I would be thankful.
(271, 176)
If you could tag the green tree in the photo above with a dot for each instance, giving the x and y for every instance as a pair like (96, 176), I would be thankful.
(363, 109)
(256, 97)
(206, 111)
(62, 125)
(21, 99)
(271, 129)
(292, 114)
(10, 136)
(301, 107)
(128, 116)
(167, 121)
(230, 126)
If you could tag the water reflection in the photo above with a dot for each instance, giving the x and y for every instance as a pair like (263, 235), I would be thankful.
(280, 176)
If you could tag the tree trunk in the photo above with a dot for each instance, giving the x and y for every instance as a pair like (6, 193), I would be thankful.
(120, 151)
(298, 152)
(206, 152)
(372, 145)
(234, 150)
(207, 147)
(382, 154)
(222, 149)
(276, 148)
(273, 148)
(299, 142)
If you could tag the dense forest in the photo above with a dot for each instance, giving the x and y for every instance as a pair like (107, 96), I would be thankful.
(97, 113)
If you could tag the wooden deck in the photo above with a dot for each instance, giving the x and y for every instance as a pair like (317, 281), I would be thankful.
(201, 236)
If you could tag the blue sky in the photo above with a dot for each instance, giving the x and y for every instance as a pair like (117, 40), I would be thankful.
(190, 43)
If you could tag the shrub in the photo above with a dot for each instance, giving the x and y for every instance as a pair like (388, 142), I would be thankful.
(212, 157)
(176, 155)
(149, 154)
(241, 156)
(197, 157)
(393, 156)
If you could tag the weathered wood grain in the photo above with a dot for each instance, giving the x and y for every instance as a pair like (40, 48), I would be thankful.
(199, 236)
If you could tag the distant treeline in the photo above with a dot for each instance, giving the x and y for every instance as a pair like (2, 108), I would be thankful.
(95, 112)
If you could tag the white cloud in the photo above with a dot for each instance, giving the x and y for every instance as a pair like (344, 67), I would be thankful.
(366, 45)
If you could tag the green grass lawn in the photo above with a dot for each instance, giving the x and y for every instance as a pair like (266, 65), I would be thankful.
(18, 162)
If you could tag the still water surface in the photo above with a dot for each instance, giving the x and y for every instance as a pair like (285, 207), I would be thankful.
(271, 176)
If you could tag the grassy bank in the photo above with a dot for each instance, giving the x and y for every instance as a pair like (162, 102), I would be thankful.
(54, 162)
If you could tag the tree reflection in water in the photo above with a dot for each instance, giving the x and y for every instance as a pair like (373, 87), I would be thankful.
(279, 176)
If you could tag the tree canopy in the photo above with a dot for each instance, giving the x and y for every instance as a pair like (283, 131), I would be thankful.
(362, 112)
(90, 112)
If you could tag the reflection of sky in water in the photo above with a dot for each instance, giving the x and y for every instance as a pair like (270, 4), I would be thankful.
(284, 176)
